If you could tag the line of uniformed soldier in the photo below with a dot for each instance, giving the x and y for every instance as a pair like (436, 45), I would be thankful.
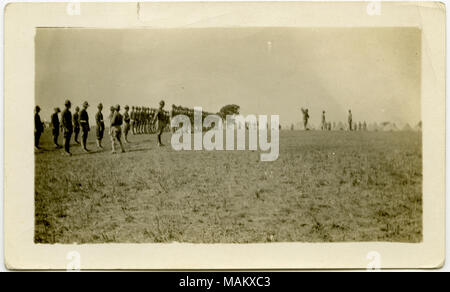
(139, 121)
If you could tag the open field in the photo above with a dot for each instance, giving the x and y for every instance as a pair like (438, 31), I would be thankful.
(324, 187)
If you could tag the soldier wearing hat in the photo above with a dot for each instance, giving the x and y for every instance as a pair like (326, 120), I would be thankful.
(126, 123)
(55, 126)
(100, 125)
(85, 128)
(115, 131)
(76, 124)
(160, 119)
(67, 126)
(38, 127)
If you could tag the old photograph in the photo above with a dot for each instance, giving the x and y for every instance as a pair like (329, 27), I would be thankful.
(228, 135)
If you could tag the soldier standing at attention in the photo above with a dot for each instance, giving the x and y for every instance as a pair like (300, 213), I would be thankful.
(85, 128)
(76, 124)
(116, 124)
(305, 118)
(126, 123)
(160, 118)
(100, 125)
(132, 120)
(137, 122)
(350, 120)
(67, 126)
(38, 127)
(55, 127)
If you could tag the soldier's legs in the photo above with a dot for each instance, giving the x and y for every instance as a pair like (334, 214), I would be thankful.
(55, 137)
(76, 132)
(67, 137)
(37, 137)
(84, 136)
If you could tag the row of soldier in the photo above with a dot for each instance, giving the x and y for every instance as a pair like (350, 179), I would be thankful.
(327, 126)
(138, 121)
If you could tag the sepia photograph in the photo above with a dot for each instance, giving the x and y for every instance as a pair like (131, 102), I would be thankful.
(217, 136)
(348, 165)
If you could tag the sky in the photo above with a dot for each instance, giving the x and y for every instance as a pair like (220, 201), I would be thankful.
(375, 72)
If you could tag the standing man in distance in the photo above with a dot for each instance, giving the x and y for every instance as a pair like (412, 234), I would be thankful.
(85, 128)
(305, 118)
(100, 125)
(116, 124)
(324, 122)
(132, 118)
(67, 126)
(38, 127)
(76, 124)
(55, 127)
(350, 120)
(126, 123)
(160, 118)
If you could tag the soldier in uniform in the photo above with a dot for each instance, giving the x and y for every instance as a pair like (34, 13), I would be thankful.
(55, 127)
(38, 127)
(115, 131)
(160, 119)
(132, 119)
(67, 126)
(126, 123)
(324, 122)
(365, 126)
(100, 125)
(138, 120)
(305, 118)
(85, 128)
(76, 124)
(350, 121)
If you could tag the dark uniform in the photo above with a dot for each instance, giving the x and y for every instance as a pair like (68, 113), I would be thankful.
(85, 128)
(100, 125)
(55, 128)
(67, 128)
(38, 129)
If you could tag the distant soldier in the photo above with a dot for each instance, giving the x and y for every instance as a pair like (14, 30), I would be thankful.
(138, 120)
(100, 125)
(126, 123)
(132, 120)
(55, 127)
(67, 126)
(350, 121)
(329, 126)
(305, 118)
(359, 126)
(85, 128)
(324, 121)
(115, 131)
(38, 127)
(365, 126)
(76, 124)
(160, 119)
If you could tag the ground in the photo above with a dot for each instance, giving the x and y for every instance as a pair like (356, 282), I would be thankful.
(324, 187)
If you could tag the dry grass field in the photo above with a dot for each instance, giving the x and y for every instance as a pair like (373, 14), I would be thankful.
(324, 187)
